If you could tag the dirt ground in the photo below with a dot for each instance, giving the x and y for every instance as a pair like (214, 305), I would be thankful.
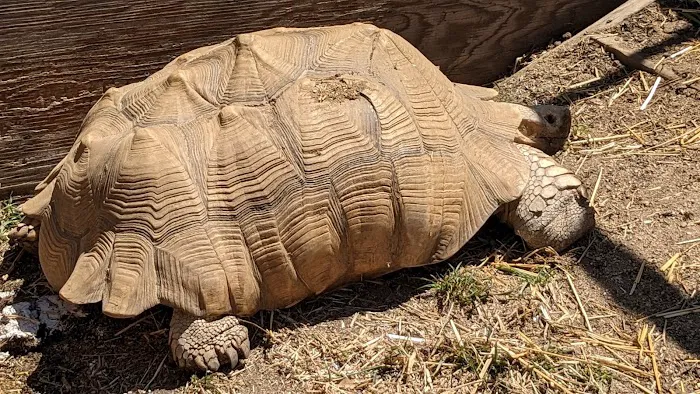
(617, 313)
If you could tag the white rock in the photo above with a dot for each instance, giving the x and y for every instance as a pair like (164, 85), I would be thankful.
(50, 310)
(6, 297)
(19, 325)
(20, 322)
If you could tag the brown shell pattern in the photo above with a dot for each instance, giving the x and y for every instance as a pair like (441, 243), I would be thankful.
(257, 172)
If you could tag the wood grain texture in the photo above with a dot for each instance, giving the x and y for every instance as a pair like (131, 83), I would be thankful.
(260, 171)
(59, 57)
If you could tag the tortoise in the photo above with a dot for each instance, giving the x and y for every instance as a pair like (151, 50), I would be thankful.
(280, 164)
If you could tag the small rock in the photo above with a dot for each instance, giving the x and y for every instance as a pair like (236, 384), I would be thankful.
(674, 26)
(6, 297)
(19, 325)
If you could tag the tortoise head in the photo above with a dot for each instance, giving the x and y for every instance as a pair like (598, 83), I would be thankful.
(554, 209)
(545, 127)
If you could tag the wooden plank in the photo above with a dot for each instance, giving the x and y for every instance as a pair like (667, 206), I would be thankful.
(617, 15)
(59, 57)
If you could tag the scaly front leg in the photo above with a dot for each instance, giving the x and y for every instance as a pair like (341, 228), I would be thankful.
(554, 209)
(207, 343)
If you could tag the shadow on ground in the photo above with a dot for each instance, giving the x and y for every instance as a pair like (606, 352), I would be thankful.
(100, 354)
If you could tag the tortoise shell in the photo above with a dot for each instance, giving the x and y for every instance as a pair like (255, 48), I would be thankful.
(269, 168)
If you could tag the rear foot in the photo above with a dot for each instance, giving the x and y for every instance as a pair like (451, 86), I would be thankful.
(206, 345)
(25, 234)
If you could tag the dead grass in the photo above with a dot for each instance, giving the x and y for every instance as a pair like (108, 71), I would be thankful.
(462, 286)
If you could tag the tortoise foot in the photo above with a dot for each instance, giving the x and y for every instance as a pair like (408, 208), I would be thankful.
(25, 234)
(207, 345)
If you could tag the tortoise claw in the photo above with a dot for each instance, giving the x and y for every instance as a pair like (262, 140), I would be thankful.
(25, 234)
(207, 345)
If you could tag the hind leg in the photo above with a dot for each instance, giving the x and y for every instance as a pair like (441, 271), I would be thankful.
(207, 344)
(554, 209)
(26, 234)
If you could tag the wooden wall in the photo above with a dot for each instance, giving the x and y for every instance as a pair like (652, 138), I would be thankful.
(57, 57)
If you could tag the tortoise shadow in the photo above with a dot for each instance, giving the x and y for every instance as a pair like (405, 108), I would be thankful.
(611, 265)
(615, 267)
(100, 354)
